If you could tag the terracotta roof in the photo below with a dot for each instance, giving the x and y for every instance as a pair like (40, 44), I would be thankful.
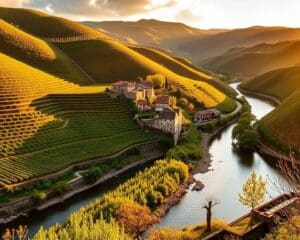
(162, 100)
(208, 111)
(167, 114)
(122, 83)
(142, 102)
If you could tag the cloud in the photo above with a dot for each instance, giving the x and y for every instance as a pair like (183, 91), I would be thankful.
(186, 15)
(99, 8)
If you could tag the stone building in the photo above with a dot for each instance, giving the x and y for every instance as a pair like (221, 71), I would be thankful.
(207, 115)
(162, 102)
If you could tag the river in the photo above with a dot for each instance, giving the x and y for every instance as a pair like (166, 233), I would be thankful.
(229, 170)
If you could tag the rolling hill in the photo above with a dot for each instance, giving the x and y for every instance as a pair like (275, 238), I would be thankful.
(280, 127)
(253, 61)
(38, 53)
(151, 32)
(35, 22)
(198, 50)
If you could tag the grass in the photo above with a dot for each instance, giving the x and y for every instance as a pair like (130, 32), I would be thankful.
(181, 67)
(46, 118)
(39, 54)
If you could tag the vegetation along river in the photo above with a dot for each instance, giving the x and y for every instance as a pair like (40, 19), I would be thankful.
(229, 170)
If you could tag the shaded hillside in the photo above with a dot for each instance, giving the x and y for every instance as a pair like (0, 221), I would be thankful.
(149, 32)
(181, 67)
(279, 83)
(281, 127)
(46, 26)
(211, 46)
(38, 53)
(256, 60)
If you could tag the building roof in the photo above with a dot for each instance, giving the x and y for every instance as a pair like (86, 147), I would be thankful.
(162, 100)
(145, 85)
(122, 83)
(167, 114)
(142, 102)
(208, 111)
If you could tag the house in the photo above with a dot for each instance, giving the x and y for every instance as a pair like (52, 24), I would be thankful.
(168, 121)
(148, 89)
(123, 87)
(143, 105)
(207, 115)
(162, 102)
(135, 94)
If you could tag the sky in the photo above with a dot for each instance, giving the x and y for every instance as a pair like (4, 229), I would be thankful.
(198, 13)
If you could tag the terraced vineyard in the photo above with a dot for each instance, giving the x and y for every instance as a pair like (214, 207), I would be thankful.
(38, 53)
(36, 129)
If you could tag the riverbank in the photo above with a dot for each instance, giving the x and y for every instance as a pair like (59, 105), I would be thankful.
(12, 211)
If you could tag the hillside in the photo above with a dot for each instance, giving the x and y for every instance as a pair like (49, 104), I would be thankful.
(46, 26)
(152, 32)
(37, 53)
(200, 49)
(281, 127)
(120, 62)
(181, 67)
(43, 119)
(250, 62)
(279, 83)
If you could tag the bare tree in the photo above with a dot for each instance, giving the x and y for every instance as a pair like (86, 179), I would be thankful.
(209, 204)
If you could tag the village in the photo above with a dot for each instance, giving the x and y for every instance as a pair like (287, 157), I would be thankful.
(159, 112)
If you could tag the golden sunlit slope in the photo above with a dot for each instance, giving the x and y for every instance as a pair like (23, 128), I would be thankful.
(46, 26)
(20, 85)
(108, 61)
(43, 119)
(200, 49)
(38, 53)
(256, 60)
(149, 32)
(279, 83)
(181, 67)
(281, 127)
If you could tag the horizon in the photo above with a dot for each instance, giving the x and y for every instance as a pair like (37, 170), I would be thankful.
(201, 14)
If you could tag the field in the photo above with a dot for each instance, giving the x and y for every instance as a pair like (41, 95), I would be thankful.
(38, 53)
(279, 83)
(37, 128)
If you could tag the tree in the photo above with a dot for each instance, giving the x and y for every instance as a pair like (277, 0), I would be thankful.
(164, 234)
(253, 192)
(157, 80)
(191, 107)
(173, 101)
(16, 234)
(135, 218)
(210, 203)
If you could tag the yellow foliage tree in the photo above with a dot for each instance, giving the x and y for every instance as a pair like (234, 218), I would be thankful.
(164, 234)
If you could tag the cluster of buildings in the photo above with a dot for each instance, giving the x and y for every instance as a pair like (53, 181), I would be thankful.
(207, 115)
(167, 120)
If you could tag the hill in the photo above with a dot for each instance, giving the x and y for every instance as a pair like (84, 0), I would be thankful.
(280, 127)
(151, 32)
(43, 119)
(120, 62)
(279, 83)
(252, 61)
(181, 67)
(200, 49)
(46, 26)
(38, 53)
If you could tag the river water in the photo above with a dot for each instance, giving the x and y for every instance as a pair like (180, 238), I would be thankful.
(229, 170)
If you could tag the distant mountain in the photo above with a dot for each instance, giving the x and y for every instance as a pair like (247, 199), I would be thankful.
(152, 32)
(202, 48)
(250, 62)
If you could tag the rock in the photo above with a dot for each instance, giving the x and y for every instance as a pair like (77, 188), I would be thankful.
(198, 186)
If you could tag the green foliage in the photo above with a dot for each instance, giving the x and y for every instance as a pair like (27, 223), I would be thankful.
(39, 196)
(227, 106)
(147, 188)
(253, 192)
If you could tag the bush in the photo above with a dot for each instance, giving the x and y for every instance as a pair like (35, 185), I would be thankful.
(91, 175)
(39, 196)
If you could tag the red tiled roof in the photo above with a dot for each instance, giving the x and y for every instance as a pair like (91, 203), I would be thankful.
(167, 114)
(122, 83)
(162, 100)
(142, 102)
